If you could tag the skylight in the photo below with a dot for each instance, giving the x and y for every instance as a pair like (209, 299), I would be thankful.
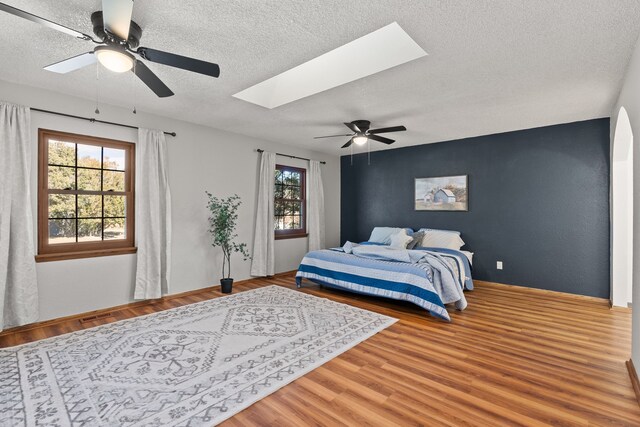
(370, 54)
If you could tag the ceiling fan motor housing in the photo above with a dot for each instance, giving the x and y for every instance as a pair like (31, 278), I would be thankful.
(135, 32)
(363, 125)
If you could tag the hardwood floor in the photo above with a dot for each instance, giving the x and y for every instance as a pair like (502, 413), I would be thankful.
(516, 356)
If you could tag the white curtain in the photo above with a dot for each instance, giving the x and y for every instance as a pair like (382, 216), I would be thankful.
(263, 263)
(315, 216)
(18, 285)
(153, 216)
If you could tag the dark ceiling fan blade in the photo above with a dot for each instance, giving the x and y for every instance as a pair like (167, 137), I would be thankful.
(179, 61)
(151, 80)
(50, 24)
(73, 63)
(381, 139)
(390, 129)
(331, 136)
(348, 144)
(353, 127)
(116, 16)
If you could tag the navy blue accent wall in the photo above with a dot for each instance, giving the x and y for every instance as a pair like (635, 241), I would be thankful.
(538, 201)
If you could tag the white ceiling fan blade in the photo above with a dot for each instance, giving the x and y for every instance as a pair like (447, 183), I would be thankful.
(116, 15)
(42, 21)
(72, 64)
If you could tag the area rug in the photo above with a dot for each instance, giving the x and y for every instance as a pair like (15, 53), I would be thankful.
(190, 366)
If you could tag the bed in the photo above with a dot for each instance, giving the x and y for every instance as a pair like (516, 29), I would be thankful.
(428, 277)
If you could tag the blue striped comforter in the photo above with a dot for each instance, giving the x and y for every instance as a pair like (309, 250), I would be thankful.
(425, 283)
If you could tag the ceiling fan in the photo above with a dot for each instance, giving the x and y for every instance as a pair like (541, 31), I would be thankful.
(118, 38)
(362, 133)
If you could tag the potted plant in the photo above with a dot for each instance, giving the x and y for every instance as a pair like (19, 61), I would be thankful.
(223, 214)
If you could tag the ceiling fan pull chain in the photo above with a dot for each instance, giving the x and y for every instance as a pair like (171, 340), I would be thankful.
(97, 111)
(133, 79)
(368, 152)
(351, 148)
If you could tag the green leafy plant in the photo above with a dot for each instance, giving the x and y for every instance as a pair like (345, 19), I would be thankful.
(223, 214)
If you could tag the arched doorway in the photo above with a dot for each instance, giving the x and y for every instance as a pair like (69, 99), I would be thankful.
(622, 212)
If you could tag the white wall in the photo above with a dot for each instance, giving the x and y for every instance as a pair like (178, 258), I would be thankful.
(621, 211)
(200, 158)
(630, 99)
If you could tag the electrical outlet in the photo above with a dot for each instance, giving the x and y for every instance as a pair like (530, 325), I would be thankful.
(499, 265)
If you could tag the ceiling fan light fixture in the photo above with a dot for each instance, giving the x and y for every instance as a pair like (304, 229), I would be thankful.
(360, 140)
(114, 59)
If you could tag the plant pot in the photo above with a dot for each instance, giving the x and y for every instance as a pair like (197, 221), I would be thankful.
(226, 285)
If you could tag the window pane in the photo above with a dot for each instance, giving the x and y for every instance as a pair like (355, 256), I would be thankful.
(62, 231)
(114, 228)
(279, 223)
(61, 178)
(114, 206)
(62, 153)
(278, 207)
(114, 158)
(89, 230)
(88, 179)
(296, 222)
(295, 178)
(89, 156)
(278, 176)
(279, 192)
(287, 192)
(295, 192)
(89, 206)
(113, 181)
(289, 222)
(292, 192)
(296, 208)
(62, 206)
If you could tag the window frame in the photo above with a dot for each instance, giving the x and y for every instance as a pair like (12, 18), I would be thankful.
(302, 231)
(62, 251)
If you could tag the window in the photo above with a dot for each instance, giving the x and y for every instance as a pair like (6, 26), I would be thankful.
(85, 196)
(290, 202)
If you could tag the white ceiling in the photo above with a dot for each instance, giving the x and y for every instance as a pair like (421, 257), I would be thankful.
(493, 65)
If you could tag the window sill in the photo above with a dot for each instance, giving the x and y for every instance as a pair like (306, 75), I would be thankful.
(290, 236)
(84, 254)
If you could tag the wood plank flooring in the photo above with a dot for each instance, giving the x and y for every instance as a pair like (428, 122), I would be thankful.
(516, 356)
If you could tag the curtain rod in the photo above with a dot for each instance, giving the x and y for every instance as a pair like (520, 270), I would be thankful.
(92, 120)
(260, 150)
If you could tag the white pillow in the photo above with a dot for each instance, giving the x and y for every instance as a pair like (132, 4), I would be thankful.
(469, 255)
(441, 239)
(383, 234)
(400, 240)
(348, 247)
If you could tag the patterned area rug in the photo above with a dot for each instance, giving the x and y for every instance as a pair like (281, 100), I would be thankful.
(189, 366)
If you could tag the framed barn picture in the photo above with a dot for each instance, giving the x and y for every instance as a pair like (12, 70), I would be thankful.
(442, 193)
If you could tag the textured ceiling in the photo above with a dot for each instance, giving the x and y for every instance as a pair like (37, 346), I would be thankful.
(493, 66)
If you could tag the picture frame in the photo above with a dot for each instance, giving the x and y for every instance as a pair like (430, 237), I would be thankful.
(442, 193)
